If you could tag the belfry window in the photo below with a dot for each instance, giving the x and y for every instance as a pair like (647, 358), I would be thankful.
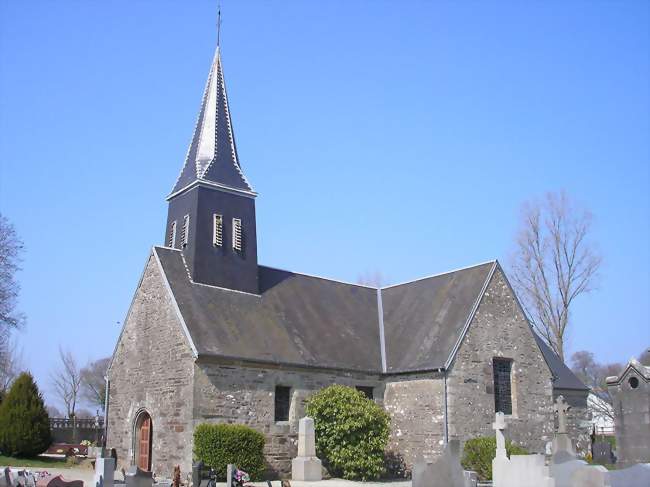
(217, 231)
(236, 234)
(501, 369)
(186, 230)
(172, 235)
(282, 403)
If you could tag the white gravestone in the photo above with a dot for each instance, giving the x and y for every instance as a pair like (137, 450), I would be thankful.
(518, 470)
(104, 472)
(306, 466)
(561, 441)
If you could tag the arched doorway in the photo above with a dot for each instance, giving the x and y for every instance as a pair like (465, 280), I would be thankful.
(142, 438)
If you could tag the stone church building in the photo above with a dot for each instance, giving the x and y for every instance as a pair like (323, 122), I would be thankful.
(213, 336)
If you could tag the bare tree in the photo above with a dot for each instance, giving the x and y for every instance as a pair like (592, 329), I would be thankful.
(644, 358)
(11, 362)
(67, 381)
(594, 374)
(553, 264)
(10, 249)
(93, 384)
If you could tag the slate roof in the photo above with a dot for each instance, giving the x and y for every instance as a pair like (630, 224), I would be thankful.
(423, 319)
(212, 155)
(302, 320)
(563, 377)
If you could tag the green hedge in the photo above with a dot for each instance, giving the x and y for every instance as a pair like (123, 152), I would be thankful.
(351, 432)
(479, 452)
(24, 422)
(217, 445)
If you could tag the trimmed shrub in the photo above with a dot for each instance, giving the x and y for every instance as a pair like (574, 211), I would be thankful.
(479, 452)
(24, 422)
(351, 432)
(217, 445)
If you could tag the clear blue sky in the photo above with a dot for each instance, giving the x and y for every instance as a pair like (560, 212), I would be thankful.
(393, 136)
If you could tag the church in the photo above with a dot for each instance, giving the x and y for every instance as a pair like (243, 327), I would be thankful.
(212, 335)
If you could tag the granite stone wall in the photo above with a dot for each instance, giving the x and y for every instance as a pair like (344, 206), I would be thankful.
(152, 371)
(416, 407)
(236, 393)
(499, 329)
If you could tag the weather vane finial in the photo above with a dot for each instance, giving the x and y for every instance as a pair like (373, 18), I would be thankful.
(218, 24)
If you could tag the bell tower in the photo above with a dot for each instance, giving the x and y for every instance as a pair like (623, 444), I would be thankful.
(211, 216)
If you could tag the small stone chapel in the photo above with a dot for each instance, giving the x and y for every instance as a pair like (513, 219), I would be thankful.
(213, 336)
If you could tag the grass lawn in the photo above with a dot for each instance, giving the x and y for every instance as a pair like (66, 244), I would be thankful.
(38, 462)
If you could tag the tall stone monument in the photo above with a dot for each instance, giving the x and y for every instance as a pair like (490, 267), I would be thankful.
(306, 466)
(561, 441)
(631, 393)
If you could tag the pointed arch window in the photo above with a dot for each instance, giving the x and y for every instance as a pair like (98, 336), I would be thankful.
(217, 230)
(185, 231)
(172, 235)
(236, 234)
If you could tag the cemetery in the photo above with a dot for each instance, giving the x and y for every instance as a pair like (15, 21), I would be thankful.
(229, 373)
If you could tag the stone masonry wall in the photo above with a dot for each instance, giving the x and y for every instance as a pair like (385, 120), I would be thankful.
(416, 406)
(227, 393)
(499, 329)
(152, 370)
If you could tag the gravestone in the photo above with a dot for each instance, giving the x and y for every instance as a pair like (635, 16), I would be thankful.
(306, 466)
(635, 476)
(518, 470)
(591, 476)
(136, 477)
(445, 471)
(230, 471)
(561, 441)
(25, 479)
(104, 472)
(601, 452)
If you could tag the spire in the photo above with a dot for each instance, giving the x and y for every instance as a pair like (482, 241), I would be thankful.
(212, 155)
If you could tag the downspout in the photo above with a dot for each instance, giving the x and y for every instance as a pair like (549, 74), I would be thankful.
(108, 383)
(445, 410)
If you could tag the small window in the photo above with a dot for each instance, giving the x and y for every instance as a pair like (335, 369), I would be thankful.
(634, 382)
(236, 234)
(502, 385)
(282, 403)
(186, 230)
(366, 391)
(172, 235)
(217, 232)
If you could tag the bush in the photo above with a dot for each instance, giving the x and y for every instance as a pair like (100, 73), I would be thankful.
(479, 452)
(24, 423)
(351, 432)
(217, 445)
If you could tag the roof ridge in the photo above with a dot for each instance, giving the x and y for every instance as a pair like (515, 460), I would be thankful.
(441, 274)
(320, 277)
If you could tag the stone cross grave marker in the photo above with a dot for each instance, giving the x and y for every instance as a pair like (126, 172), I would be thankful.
(498, 426)
(561, 408)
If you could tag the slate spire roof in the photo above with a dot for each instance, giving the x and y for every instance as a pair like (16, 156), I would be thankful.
(212, 156)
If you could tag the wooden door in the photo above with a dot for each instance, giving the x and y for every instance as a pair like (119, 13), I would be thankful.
(144, 444)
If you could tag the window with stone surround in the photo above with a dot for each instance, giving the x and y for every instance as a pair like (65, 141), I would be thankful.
(502, 369)
(282, 403)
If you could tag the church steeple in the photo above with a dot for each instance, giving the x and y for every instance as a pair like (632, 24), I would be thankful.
(211, 216)
(212, 156)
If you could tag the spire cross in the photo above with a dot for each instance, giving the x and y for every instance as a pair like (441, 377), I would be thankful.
(219, 24)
